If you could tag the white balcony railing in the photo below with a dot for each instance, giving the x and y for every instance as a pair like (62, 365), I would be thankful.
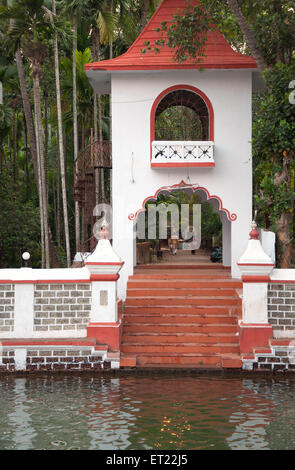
(179, 153)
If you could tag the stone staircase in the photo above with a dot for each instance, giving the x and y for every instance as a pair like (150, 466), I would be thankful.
(181, 317)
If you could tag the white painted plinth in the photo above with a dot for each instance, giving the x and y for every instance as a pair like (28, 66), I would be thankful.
(255, 302)
(24, 311)
(104, 302)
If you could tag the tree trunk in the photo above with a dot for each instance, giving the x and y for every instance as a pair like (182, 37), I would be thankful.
(14, 147)
(284, 240)
(75, 128)
(46, 138)
(36, 85)
(144, 12)
(247, 33)
(28, 183)
(58, 225)
(39, 186)
(28, 113)
(111, 40)
(32, 140)
(61, 149)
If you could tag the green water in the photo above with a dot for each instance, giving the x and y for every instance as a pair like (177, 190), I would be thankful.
(146, 412)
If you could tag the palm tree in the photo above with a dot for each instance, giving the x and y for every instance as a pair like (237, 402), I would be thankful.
(27, 21)
(61, 144)
(75, 124)
(27, 111)
(102, 23)
(28, 26)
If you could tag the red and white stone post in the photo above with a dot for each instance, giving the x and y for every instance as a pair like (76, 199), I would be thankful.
(255, 266)
(104, 265)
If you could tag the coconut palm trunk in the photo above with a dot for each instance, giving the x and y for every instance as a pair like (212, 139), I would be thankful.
(39, 186)
(144, 12)
(27, 112)
(32, 138)
(247, 33)
(75, 128)
(42, 176)
(60, 145)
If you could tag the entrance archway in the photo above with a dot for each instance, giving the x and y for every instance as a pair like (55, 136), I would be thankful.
(204, 196)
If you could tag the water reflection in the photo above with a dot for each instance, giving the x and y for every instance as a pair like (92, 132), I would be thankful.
(146, 412)
(19, 418)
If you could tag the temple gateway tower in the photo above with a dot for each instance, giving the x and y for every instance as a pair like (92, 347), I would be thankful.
(215, 160)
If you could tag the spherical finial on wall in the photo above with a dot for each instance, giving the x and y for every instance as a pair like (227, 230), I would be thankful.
(26, 256)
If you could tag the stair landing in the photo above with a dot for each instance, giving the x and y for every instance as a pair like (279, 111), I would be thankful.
(181, 316)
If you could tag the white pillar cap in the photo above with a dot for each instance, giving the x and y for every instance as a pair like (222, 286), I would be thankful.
(104, 260)
(255, 262)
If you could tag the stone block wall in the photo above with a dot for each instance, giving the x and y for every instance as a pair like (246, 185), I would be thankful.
(6, 308)
(281, 309)
(61, 307)
(278, 357)
(53, 358)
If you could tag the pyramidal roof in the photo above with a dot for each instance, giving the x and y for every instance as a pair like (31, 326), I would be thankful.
(218, 52)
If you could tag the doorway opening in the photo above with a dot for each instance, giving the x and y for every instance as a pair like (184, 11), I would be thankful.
(196, 230)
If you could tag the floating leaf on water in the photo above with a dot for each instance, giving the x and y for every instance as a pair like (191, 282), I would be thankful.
(59, 443)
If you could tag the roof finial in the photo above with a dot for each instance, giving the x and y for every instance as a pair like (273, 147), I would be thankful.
(254, 234)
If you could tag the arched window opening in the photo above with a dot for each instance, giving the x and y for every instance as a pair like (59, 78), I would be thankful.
(182, 115)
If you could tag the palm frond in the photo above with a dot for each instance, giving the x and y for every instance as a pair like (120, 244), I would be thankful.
(106, 23)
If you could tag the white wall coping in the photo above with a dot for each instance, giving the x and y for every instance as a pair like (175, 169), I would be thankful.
(57, 274)
(283, 275)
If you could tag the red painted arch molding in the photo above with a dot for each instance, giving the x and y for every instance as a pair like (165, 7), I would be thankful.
(230, 216)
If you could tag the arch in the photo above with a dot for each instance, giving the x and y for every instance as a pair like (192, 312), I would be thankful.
(231, 217)
(171, 89)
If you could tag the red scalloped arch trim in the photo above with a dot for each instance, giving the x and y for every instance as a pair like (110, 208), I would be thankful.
(230, 216)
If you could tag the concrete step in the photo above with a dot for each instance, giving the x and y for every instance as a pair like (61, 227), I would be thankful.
(181, 292)
(231, 361)
(179, 328)
(183, 338)
(179, 349)
(183, 284)
(127, 361)
(177, 318)
(178, 276)
(199, 267)
(232, 310)
(183, 361)
(181, 300)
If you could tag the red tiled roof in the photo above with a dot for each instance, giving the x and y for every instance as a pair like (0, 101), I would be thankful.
(218, 52)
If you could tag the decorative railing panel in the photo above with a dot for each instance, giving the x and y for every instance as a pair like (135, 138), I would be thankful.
(180, 153)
